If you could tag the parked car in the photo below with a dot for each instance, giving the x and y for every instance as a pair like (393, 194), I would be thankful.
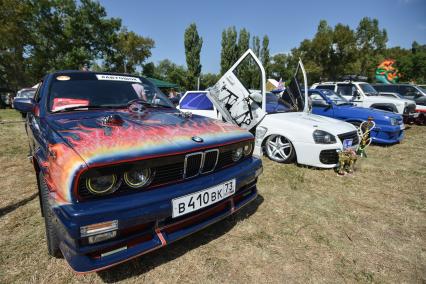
(362, 94)
(121, 172)
(389, 127)
(407, 91)
(27, 93)
(284, 132)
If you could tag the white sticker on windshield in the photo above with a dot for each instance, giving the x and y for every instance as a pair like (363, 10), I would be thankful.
(118, 78)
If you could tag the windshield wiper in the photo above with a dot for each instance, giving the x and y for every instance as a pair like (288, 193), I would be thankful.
(90, 107)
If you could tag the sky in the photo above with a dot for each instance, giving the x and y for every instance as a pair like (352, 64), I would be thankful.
(286, 23)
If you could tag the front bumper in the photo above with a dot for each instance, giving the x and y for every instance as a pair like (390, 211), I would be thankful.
(314, 155)
(144, 219)
(387, 134)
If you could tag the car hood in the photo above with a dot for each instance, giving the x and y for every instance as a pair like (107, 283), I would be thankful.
(131, 136)
(395, 101)
(311, 121)
(363, 113)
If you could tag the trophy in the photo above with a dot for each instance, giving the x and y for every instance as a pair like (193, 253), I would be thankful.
(364, 131)
(347, 159)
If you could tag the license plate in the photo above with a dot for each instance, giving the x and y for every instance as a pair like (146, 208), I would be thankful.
(200, 199)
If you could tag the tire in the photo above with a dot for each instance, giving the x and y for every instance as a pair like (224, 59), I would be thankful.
(279, 149)
(51, 234)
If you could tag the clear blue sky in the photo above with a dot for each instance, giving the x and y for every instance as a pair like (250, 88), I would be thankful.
(286, 23)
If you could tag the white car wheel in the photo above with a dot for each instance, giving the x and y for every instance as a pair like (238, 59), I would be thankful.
(279, 149)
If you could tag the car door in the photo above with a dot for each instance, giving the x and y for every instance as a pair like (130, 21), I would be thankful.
(319, 105)
(233, 98)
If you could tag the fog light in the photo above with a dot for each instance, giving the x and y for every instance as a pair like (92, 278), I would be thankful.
(98, 228)
(102, 237)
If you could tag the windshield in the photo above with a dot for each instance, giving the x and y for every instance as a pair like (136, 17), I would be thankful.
(89, 89)
(29, 94)
(275, 104)
(368, 89)
(336, 98)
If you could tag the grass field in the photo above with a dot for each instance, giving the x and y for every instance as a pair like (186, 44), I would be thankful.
(307, 225)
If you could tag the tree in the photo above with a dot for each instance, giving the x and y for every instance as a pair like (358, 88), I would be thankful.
(243, 45)
(264, 55)
(148, 70)
(15, 17)
(208, 80)
(130, 51)
(371, 42)
(280, 66)
(254, 69)
(344, 56)
(193, 43)
(229, 53)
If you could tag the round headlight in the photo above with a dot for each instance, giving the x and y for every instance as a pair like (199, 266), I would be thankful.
(237, 154)
(247, 149)
(138, 178)
(102, 184)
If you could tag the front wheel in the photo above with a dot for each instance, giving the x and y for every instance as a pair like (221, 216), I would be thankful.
(51, 235)
(279, 149)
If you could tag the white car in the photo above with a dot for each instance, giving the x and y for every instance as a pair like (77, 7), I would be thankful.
(362, 94)
(285, 129)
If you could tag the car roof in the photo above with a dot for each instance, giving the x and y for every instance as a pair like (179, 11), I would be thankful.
(62, 72)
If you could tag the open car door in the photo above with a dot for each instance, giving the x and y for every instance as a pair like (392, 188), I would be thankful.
(234, 101)
(296, 94)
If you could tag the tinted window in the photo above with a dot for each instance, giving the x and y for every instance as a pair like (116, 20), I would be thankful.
(386, 88)
(407, 90)
(196, 101)
(325, 87)
(84, 89)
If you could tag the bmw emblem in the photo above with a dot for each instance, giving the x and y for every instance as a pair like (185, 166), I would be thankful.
(197, 139)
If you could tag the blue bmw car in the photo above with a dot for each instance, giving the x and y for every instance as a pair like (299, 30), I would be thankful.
(389, 126)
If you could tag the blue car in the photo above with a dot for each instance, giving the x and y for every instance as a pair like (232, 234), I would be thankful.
(122, 172)
(389, 126)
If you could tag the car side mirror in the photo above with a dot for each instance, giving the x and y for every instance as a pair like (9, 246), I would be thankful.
(24, 104)
(356, 95)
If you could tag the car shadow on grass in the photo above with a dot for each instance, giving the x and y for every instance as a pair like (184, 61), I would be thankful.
(145, 263)
(7, 209)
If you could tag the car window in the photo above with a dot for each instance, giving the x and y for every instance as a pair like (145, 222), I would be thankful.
(196, 101)
(325, 87)
(406, 90)
(85, 89)
(386, 88)
(274, 104)
(345, 89)
(316, 99)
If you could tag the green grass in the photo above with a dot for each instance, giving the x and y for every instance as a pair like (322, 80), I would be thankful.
(10, 115)
(307, 225)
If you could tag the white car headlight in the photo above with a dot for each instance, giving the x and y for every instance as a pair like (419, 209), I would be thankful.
(323, 137)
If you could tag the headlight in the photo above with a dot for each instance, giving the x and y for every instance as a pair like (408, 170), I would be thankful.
(323, 137)
(393, 121)
(138, 178)
(248, 149)
(237, 154)
(105, 184)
